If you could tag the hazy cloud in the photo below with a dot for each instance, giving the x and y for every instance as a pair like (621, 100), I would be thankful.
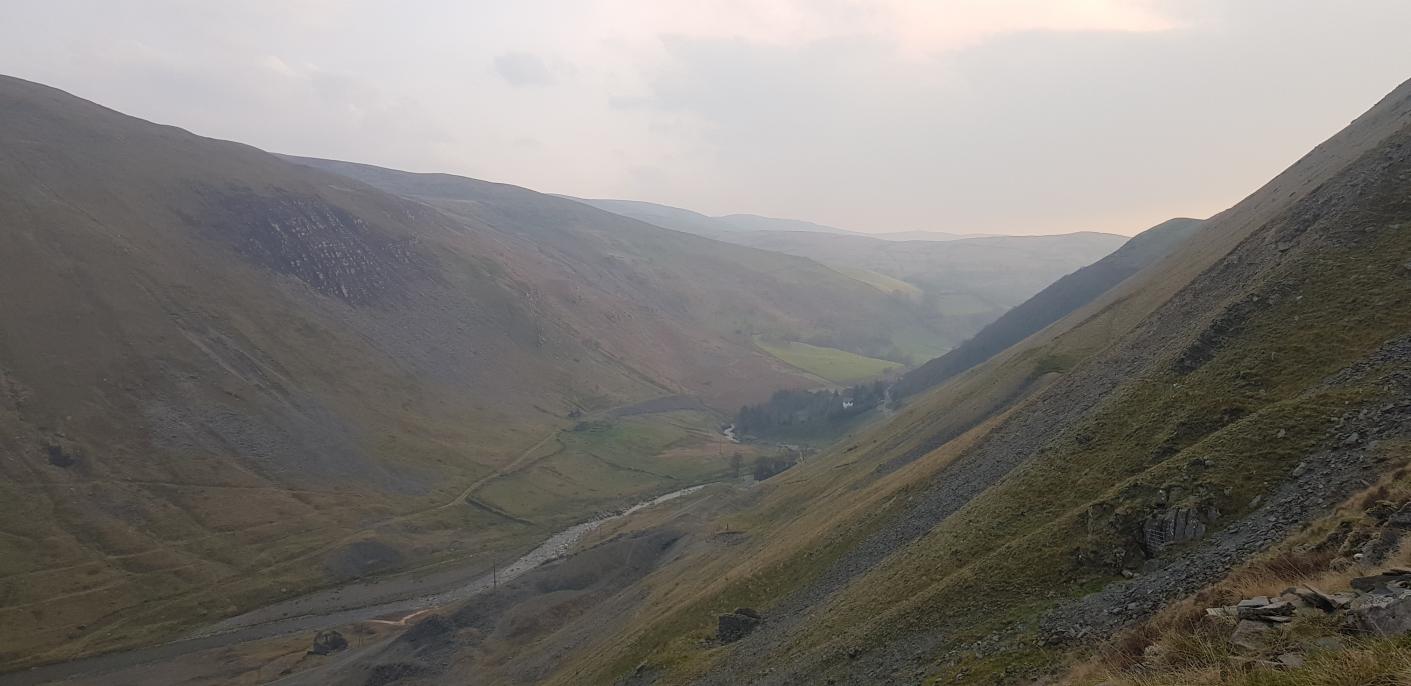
(965, 115)
(523, 69)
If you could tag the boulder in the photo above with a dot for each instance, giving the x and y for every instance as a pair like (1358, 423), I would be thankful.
(1315, 598)
(328, 642)
(734, 626)
(1383, 614)
(1251, 635)
(748, 612)
(1343, 599)
(1392, 581)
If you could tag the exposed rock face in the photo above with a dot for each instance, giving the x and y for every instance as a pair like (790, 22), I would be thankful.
(1385, 607)
(328, 642)
(1171, 527)
(1383, 614)
(331, 250)
(736, 625)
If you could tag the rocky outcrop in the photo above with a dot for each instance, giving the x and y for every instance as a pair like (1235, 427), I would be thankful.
(327, 643)
(1385, 604)
(332, 250)
(1379, 605)
(733, 626)
(1171, 527)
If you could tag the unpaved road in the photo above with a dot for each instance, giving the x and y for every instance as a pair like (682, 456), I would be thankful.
(242, 629)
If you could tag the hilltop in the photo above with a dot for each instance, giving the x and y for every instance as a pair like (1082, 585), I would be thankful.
(962, 281)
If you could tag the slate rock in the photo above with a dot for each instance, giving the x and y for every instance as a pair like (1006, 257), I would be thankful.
(1382, 614)
(1388, 582)
(733, 627)
(1172, 527)
(328, 642)
(1270, 610)
(1401, 519)
(1251, 635)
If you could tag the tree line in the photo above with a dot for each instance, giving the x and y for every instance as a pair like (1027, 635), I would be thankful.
(794, 412)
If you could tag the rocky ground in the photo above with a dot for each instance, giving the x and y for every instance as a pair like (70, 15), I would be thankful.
(1350, 462)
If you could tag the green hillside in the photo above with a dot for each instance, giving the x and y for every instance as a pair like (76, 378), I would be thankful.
(1001, 527)
(236, 379)
(837, 366)
(963, 283)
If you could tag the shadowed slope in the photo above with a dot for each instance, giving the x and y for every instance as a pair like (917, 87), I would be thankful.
(1051, 304)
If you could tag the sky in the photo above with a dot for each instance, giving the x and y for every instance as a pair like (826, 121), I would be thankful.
(985, 116)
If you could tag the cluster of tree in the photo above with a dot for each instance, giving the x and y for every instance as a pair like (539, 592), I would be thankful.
(765, 467)
(808, 411)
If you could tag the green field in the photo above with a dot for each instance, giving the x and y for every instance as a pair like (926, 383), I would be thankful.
(613, 462)
(831, 364)
(881, 282)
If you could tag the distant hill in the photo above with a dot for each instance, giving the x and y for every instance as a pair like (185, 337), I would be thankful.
(927, 235)
(963, 283)
(734, 291)
(689, 221)
(673, 218)
(1051, 304)
(754, 222)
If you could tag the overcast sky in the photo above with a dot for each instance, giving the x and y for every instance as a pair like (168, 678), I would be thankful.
(1015, 116)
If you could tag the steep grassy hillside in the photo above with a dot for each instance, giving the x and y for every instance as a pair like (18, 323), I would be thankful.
(227, 379)
(1000, 271)
(964, 282)
(1051, 304)
(720, 228)
(1249, 381)
(688, 221)
(732, 292)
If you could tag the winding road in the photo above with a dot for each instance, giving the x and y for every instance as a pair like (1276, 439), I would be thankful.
(399, 612)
